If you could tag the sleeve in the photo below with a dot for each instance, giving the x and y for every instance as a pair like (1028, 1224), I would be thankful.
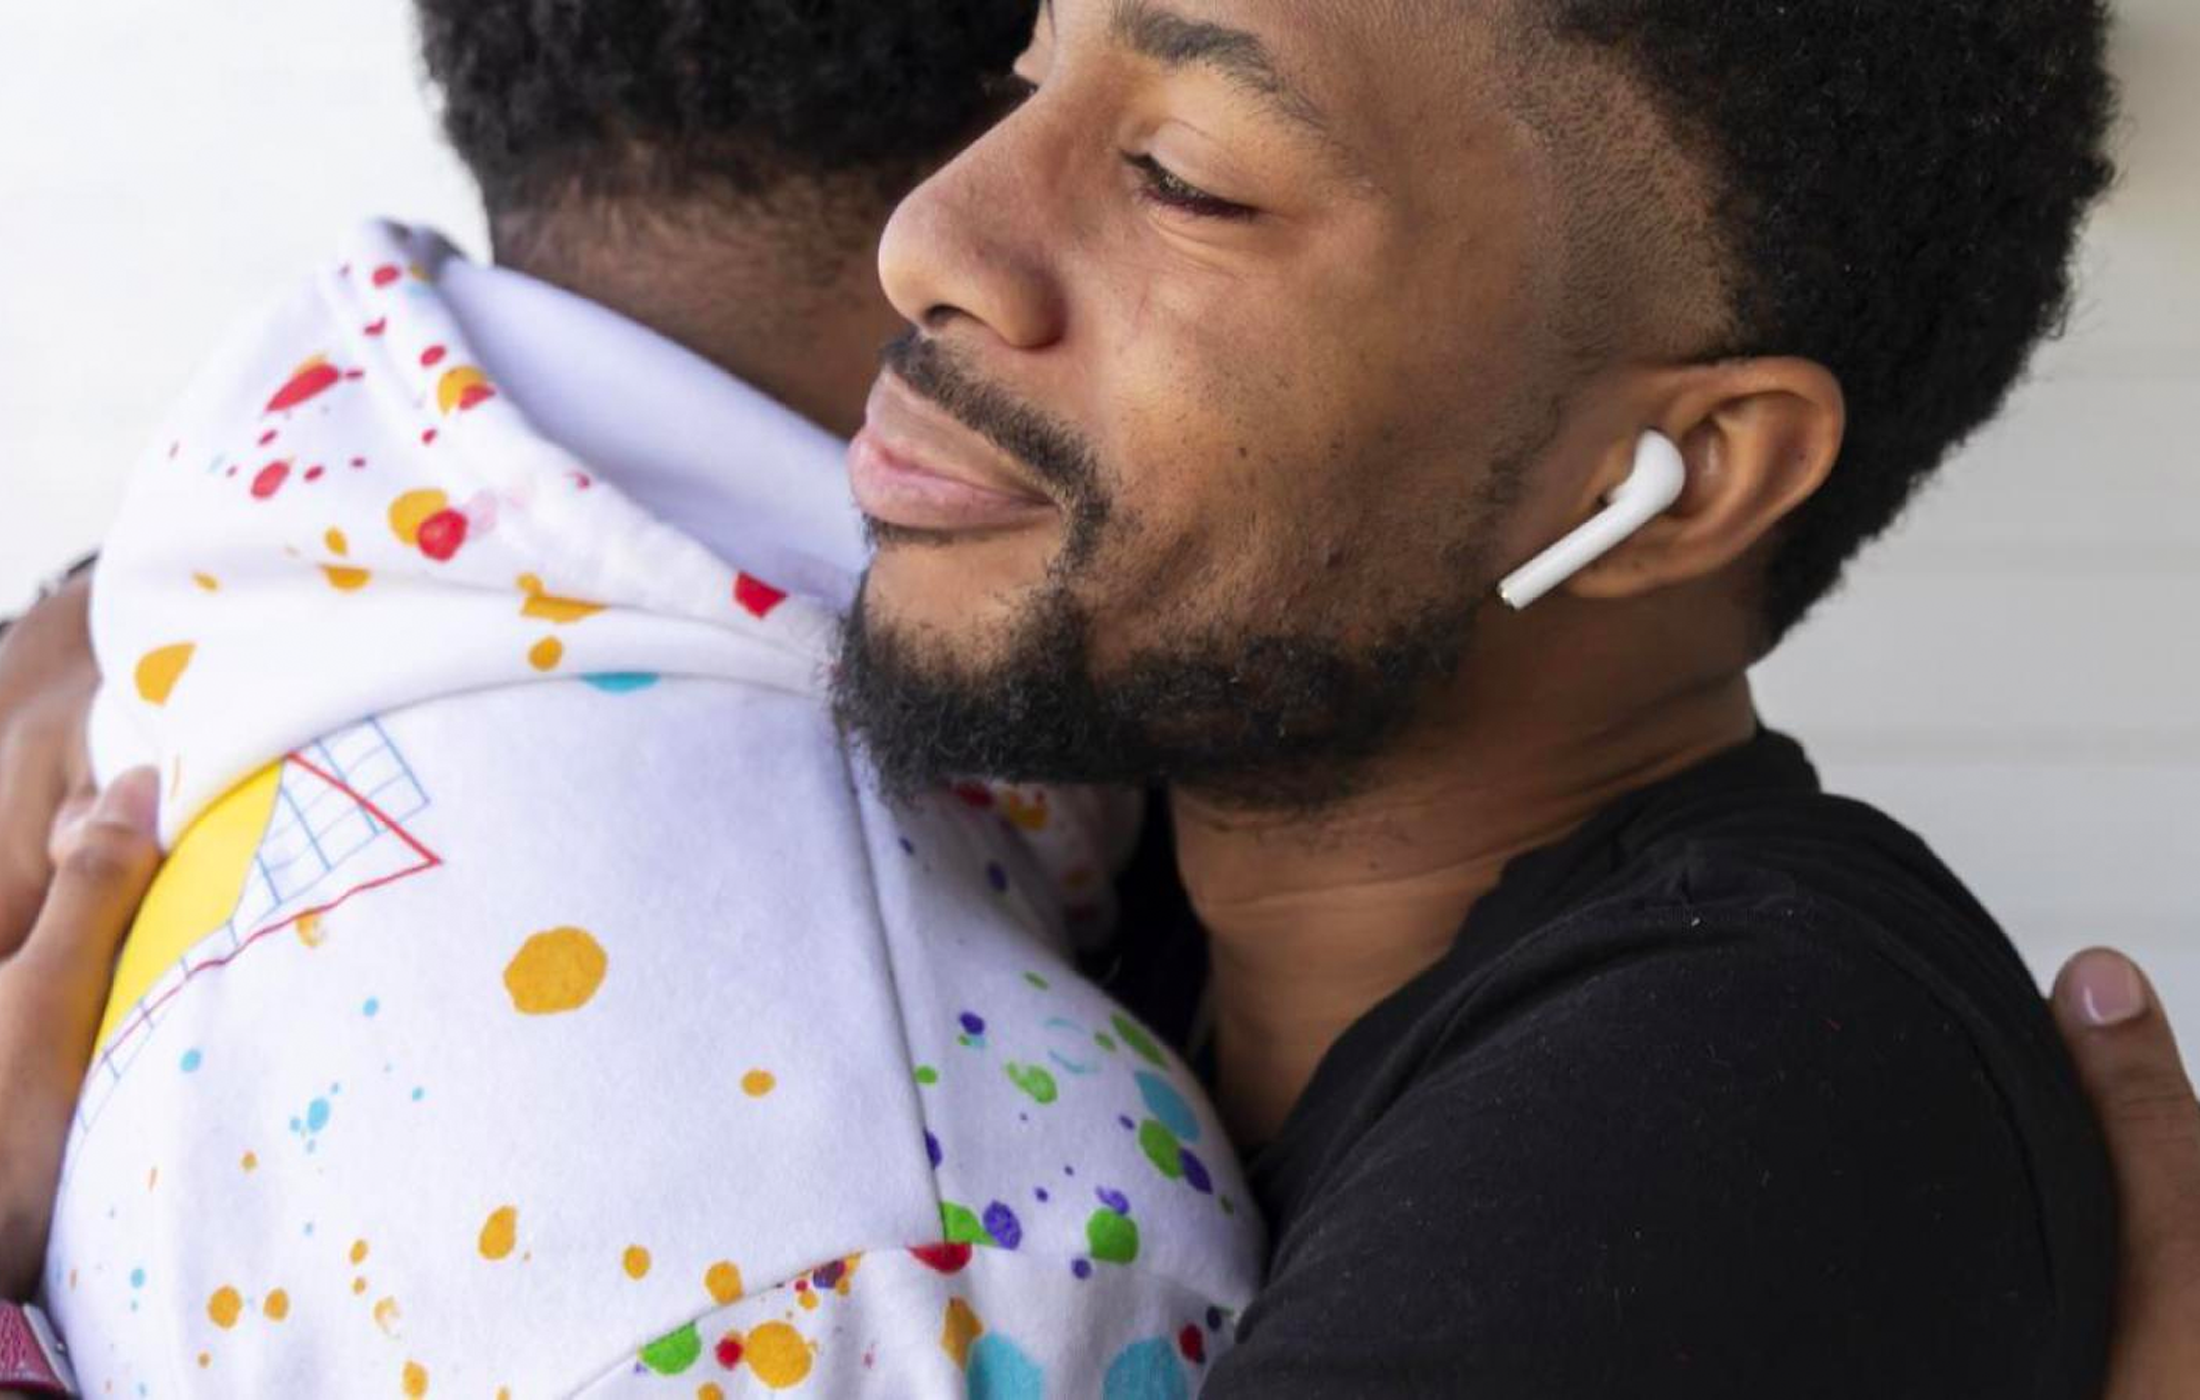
(1725, 1164)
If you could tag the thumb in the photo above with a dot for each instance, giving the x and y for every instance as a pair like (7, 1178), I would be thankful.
(2128, 1060)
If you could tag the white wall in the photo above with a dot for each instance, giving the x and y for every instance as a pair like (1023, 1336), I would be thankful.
(2016, 672)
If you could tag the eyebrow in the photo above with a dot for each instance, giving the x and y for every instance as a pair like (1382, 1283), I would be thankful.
(1174, 41)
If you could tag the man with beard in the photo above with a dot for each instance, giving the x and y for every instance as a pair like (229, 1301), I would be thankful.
(1588, 1048)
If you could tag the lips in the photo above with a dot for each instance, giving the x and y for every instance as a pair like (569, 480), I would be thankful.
(916, 467)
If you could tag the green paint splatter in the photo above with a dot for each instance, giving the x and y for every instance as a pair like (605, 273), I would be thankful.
(1104, 1041)
(1138, 1040)
(1229, 1207)
(1112, 1238)
(927, 1076)
(1162, 1149)
(1034, 1081)
(1036, 980)
(961, 1225)
(674, 1352)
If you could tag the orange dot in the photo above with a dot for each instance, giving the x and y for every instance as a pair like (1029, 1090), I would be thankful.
(636, 1261)
(709, 1390)
(250, 1162)
(346, 580)
(959, 1330)
(757, 1083)
(778, 1354)
(546, 654)
(277, 1306)
(386, 1315)
(416, 1380)
(412, 510)
(500, 1232)
(337, 544)
(205, 1360)
(309, 933)
(358, 1251)
(556, 971)
(359, 1284)
(207, 583)
(724, 1282)
(224, 1307)
(159, 670)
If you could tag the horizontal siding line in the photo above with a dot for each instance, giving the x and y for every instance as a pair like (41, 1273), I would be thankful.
(1950, 747)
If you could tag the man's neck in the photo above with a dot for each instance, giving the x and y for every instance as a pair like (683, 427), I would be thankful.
(785, 296)
(1313, 920)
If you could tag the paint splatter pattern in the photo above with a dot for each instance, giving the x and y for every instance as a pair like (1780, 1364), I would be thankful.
(654, 1035)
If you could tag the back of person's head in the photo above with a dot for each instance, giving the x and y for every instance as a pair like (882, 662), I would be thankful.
(553, 103)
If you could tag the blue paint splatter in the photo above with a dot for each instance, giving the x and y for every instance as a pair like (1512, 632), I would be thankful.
(1146, 1371)
(137, 1278)
(932, 1148)
(999, 1370)
(1001, 1223)
(622, 682)
(1166, 1104)
(374, 1004)
(1113, 1200)
(972, 1023)
(1195, 1172)
(1081, 1267)
(191, 1061)
(317, 1115)
(419, 1094)
(996, 877)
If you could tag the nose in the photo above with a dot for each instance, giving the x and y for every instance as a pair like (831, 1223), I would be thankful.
(972, 246)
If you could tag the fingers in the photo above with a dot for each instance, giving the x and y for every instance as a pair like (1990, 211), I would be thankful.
(104, 859)
(2128, 1059)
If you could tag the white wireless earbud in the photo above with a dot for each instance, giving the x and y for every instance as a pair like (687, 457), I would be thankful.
(1649, 491)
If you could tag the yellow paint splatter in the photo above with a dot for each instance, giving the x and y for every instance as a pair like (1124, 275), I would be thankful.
(808, 1297)
(551, 608)
(546, 654)
(959, 1331)
(635, 1261)
(207, 583)
(309, 930)
(205, 1360)
(251, 1161)
(345, 579)
(224, 1307)
(160, 669)
(359, 1284)
(555, 971)
(724, 1282)
(416, 1380)
(358, 1251)
(277, 1305)
(500, 1232)
(710, 1390)
(778, 1355)
(388, 1316)
(412, 510)
(462, 387)
(337, 544)
(757, 1083)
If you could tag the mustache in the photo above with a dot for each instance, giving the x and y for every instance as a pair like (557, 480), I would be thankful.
(1053, 451)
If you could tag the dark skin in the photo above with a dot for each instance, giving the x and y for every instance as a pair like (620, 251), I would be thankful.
(1654, 641)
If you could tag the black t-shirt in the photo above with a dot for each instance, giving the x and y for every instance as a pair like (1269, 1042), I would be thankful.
(1734, 1092)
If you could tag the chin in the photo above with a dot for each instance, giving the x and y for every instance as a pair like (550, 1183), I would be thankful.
(957, 584)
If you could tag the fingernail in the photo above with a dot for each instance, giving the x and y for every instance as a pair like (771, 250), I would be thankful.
(132, 800)
(2108, 990)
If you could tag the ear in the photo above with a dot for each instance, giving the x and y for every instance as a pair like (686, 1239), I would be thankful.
(1759, 436)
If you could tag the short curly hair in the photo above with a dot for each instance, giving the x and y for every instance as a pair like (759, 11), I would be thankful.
(1900, 189)
(547, 98)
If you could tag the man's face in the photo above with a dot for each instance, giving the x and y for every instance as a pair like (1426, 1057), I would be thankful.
(1227, 375)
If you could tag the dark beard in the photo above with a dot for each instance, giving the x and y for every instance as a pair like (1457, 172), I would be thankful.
(1268, 722)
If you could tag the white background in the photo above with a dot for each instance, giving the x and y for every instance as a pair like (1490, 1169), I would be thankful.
(2015, 673)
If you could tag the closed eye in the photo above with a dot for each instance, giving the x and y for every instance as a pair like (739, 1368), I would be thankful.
(1166, 188)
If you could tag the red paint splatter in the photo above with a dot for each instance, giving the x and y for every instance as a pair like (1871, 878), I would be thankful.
(308, 383)
(441, 534)
(729, 1351)
(1193, 1343)
(943, 1258)
(358, 461)
(427, 437)
(231, 472)
(270, 480)
(316, 472)
(433, 356)
(267, 437)
(974, 795)
(582, 481)
(386, 274)
(756, 596)
(377, 326)
(801, 1285)
(475, 395)
(355, 374)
